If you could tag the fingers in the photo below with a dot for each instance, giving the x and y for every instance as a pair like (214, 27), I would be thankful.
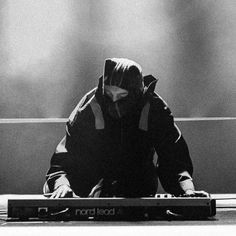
(199, 194)
(74, 195)
(62, 191)
(56, 193)
(194, 193)
(59, 193)
(48, 195)
(203, 193)
(189, 192)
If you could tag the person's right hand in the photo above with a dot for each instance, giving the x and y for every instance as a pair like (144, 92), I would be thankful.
(62, 191)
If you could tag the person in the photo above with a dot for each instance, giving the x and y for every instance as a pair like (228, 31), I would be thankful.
(112, 136)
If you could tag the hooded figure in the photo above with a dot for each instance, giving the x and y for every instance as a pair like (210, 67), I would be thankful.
(111, 138)
(123, 86)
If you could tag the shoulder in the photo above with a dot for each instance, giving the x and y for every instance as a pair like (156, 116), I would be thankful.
(160, 116)
(158, 105)
(82, 109)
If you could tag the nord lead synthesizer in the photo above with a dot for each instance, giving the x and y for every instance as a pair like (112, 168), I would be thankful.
(161, 206)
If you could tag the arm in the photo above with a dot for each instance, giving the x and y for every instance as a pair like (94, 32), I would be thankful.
(174, 163)
(59, 173)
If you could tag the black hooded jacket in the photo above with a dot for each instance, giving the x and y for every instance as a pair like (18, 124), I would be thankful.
(120, 152)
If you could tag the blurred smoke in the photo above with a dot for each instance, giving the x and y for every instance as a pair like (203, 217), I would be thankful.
(52, 52)
(204, 76)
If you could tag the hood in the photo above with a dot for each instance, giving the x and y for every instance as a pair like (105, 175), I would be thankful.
(125, 74)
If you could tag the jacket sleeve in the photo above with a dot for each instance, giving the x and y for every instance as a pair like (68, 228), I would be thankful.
(174, 163)
(61, 163)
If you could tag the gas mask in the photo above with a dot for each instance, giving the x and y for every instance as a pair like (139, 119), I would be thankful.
(123, 86)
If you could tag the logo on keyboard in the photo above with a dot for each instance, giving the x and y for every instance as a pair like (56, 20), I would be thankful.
(95, 211)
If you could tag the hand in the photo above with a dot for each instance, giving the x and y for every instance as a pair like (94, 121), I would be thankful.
(193, 193)
(63, 191)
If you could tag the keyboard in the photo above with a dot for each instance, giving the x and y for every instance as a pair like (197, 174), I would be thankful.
(159, 207)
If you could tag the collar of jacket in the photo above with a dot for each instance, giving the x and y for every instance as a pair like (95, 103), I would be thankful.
(144, 105)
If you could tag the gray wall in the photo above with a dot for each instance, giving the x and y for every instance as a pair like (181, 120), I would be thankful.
(26, 150)
(52, 52)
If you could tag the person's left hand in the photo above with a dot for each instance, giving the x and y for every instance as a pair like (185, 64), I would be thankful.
(194, 193)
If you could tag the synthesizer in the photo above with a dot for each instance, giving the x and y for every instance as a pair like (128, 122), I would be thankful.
(151, 208)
